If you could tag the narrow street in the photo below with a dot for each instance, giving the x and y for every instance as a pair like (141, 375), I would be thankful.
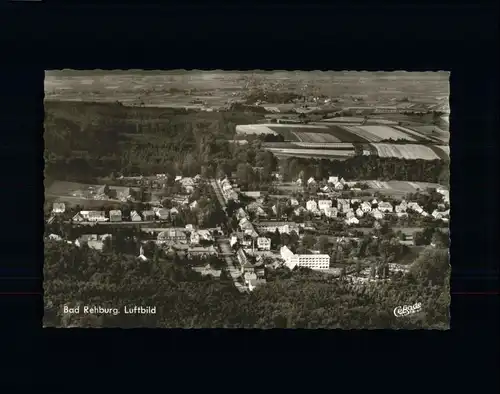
(225, 250)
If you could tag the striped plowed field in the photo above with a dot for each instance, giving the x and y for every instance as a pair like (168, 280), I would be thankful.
(383, 132)
(325, 145)
(315, 137)
(362, 133)
(344, 135)
(408, 151)
(278, 145)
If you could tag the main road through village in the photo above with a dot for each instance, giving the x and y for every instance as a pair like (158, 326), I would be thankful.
(223, 243)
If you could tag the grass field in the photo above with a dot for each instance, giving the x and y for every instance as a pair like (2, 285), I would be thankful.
(62, 191)
(84, 202)
(398, 189)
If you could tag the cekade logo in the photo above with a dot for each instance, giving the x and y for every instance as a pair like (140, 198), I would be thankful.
(406, 310)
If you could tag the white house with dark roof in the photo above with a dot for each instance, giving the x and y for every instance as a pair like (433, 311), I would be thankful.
(333, 179)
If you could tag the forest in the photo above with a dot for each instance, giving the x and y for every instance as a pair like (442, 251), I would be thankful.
(84, 141)
(184, 299)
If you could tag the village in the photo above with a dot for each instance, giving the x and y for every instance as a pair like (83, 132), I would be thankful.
(317, 226)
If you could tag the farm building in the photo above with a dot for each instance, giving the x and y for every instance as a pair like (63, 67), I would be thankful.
(115, 215)
(58, 207)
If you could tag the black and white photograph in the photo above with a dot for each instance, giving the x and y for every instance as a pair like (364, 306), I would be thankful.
(240, 199)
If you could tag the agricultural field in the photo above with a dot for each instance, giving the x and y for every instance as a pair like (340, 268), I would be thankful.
(400, 187)
(254, 129)
(384, 133)
(409, 151)
(433, 132)
(314, 153)
(62, 188)
(443, 151)
(344, 135)
(88, 203)
(315, 137)
(343, 120)
(307, 145)
(73, 191)
(325, 145)
(415, 134)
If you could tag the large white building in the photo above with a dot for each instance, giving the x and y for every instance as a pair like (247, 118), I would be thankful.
(313, 261)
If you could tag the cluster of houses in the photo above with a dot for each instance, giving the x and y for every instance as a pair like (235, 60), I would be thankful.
(116, 215)
(93, 241)
(350, 209)
(253, 274)
(104, 192)
(158, 181)
(227, 190)
(334, 183)
(188, 183)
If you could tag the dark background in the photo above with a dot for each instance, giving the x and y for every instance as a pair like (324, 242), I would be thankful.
(457, 38)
